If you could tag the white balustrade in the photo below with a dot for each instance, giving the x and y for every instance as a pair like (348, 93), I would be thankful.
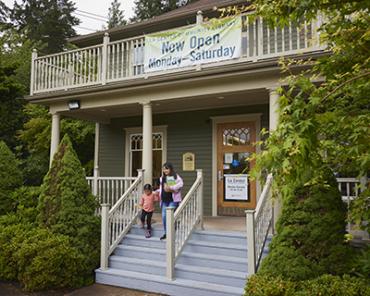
(124, 59)
(110, 189)
(259, 222)
(117, 221)
(349, 188)
(180, 224)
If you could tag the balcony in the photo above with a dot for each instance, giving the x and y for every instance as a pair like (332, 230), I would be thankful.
(124, 59)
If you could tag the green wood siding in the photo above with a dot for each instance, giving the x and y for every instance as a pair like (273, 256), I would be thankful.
(186, 132)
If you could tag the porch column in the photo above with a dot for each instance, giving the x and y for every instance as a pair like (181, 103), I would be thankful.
(96, 159)
(55, 135)
(273, 106)
(274, 119)
(147, 163)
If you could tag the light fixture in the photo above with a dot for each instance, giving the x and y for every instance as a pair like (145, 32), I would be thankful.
(73, 105)
(220, 97)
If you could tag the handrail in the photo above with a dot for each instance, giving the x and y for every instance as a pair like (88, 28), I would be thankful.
(117, 221)
(182, 223)
(259, 222)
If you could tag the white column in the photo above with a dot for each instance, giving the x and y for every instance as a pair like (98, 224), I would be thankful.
(170, 243)
(274, 113)
(251, 242)
(55, 135)
(147, 163)
(96, 159)
(274, 119)
(33, 68)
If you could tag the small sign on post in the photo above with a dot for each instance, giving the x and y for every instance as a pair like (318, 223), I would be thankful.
(188, 161)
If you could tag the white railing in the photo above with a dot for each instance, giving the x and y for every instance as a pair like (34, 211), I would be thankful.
(109, 189)
(349, 188)
(181, 224)
(124, 59)
(116, 222)
(259, 222)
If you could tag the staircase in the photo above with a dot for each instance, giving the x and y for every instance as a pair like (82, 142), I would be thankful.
(212, 263)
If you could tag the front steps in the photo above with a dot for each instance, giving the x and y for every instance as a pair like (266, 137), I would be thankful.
(213, 263)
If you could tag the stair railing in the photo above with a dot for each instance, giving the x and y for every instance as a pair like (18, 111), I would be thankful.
(116, 222)
(181, 224)
(259, 222)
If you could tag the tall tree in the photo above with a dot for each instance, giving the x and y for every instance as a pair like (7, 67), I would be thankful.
(48, 21)
(115, 15)
(4, 10)
(146, 9)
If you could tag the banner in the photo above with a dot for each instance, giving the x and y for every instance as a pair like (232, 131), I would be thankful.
(215, 41)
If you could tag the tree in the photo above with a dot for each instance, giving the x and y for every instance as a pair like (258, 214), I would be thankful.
(67, 207)
(10, 178)
(4, 10)
(49, 22)
(115, 15)
(146, 9)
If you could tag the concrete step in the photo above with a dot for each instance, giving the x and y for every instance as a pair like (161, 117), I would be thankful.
(138, 265)
(142, 241)
(238, 238)
(216, 248)
(213, 261)
(160, 284)
(140, 252)
(211, 275)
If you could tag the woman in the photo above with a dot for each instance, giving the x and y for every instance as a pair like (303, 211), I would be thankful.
(170, 191)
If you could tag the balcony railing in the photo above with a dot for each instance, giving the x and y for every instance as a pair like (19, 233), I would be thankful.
(124, 59)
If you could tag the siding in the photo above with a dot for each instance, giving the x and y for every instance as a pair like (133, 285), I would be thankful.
(186, 132)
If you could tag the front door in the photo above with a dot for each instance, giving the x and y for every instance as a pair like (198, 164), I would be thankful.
(235, 191)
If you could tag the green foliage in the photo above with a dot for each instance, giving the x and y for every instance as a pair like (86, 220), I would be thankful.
(67, 207)
(327, 285)
(10, 178)
(25, 200)
(115, 15)
(49, 22)
(360, 210)
(47, 260)
(310, 233)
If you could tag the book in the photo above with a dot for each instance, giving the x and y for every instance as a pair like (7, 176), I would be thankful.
(170, 181)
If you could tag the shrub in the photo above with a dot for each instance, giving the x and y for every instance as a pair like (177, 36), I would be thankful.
(10, 178)
(328, 285)
(310, 233)
(46, 261)
(66, 206)
(25, 200)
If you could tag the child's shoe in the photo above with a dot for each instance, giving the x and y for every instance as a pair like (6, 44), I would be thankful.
(148, 234)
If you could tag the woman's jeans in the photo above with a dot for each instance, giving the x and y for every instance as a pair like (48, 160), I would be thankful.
(164, 206)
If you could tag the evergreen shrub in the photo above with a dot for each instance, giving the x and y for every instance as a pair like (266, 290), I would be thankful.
(10, 177)
(328, 285)
(67, 207)
(310, 233)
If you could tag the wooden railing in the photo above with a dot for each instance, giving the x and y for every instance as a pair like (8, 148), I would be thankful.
(116, 222)
(109, 189)
(124, 59)
(259, 223)
(181, 224)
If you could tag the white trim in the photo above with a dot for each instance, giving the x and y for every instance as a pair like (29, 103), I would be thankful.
(139, 130)
(256, 117)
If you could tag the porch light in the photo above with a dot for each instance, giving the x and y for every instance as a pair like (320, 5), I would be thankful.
(73, 105)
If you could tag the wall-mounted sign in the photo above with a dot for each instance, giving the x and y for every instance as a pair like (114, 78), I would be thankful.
(236, 187)
(188, 161)
(210, 42)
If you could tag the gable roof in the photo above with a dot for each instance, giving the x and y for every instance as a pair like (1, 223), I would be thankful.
(176, 18)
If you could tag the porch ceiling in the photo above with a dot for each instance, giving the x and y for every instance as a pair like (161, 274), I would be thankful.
(105, 114)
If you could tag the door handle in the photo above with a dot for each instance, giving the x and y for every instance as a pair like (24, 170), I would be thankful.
(220, 176)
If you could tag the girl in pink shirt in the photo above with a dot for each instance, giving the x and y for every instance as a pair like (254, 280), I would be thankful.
(147, 204)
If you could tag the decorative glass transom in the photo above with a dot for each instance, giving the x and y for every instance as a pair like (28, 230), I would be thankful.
(236, 136)
(136, 141)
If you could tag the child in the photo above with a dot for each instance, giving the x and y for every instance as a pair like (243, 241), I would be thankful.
(147, 204)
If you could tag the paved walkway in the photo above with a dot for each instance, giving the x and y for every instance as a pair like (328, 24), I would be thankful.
(210, 223)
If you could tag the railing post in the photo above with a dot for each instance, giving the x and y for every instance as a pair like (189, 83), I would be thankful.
(199, 17)
(33, 68)
(104, 59)
(251, 241)
(140, 174)
(104, 237)
(170, 243)
(200, 198)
